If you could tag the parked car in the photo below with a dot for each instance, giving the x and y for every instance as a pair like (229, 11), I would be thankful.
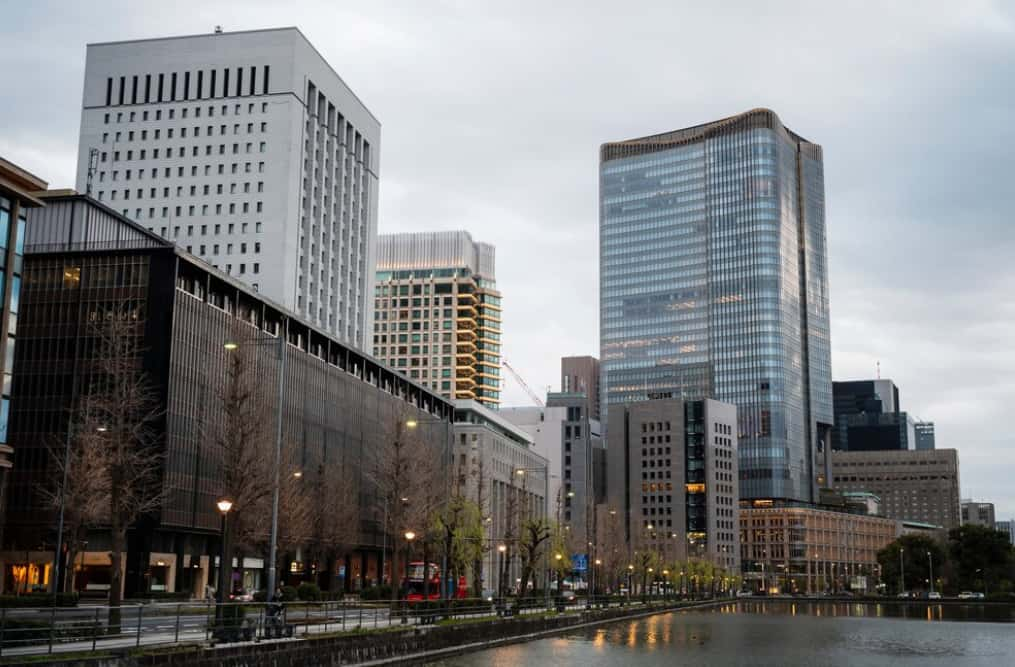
(489, 594)
(569, 597)
(933, 595)
(970, 595)
(904, 595)
(744, 594)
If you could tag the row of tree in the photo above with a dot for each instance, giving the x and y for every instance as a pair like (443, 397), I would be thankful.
(974, 558)
(111, 468)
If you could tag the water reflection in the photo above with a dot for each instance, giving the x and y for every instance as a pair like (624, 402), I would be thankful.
(787, 633)
(914, 610)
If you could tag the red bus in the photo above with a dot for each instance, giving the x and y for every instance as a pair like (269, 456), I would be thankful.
(413, 584)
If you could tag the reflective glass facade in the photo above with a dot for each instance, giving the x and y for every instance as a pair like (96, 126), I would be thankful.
(714, 284)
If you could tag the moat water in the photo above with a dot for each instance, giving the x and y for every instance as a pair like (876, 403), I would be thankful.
(783, 633)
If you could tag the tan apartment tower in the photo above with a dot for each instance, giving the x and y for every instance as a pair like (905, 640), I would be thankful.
(437, 313)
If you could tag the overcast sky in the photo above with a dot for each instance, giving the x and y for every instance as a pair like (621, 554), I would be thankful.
(492, 115)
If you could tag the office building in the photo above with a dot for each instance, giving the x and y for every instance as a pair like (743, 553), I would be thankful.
(791, 548)
(340, 405)
(912, 485)
(498, 468)
(581, 375)
(582, 452)
(978, 514)
(545, 426)
(437, 313)
(868, 417)
(1008, 528)
(713, 284)
(247, 149)
(924, 435)
(17, 198)
(672, 474)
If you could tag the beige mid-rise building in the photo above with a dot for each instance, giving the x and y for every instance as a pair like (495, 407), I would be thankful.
(807, 549)
(913, 485)
(437, 313)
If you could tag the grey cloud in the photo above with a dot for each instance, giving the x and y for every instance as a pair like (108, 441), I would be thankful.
(493, 113)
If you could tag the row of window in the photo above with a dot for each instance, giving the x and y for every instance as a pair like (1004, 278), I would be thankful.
(181, 152)
(142, 135)
(147, 88)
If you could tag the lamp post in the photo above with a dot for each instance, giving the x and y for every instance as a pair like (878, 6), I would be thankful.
(413, 423)
(630, 573)
(930, 564)
(902, 571)
(280, 343)
(558, 557)
(223, 506)
(546, 499)
(409, 537)
(666, 584)
(501, 549)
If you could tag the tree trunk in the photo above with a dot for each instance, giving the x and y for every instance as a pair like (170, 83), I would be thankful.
(426, 570)
(67, 569)
(118, 533)
(477, 577)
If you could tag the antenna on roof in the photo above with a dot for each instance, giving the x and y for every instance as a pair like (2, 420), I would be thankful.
(879, 369)
(93, 163)
(218, 30)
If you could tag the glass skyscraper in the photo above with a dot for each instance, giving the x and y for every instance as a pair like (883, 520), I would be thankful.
(713, 284)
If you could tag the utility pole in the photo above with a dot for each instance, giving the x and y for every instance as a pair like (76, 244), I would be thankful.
(902, 571)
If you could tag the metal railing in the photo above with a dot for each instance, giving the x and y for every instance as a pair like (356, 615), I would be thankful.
(85, 628)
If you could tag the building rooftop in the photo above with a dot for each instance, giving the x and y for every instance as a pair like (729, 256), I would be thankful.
(755, 118)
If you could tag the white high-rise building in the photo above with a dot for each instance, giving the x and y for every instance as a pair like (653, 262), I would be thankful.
(248, 150)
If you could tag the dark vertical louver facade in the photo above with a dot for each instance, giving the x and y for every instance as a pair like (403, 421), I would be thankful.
(714, 284)
(82, 260)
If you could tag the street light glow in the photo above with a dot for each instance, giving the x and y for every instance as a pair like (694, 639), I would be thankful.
(502, 548)
(409, 535)
(224, 505)
(101, 429)
(231, 345)
(298, 474)
(411, 423)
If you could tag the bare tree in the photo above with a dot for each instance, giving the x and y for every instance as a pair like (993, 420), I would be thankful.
(84, 497)
(399, 473)
(238, 430)
(335, 522)
(511, 533)
(481, 505)
(123, 410)
(296, 516)
(536, 533)
(611, 547)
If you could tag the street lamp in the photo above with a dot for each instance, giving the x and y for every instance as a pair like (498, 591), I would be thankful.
(409, 537)
(502, 549)
(630, 573)
(280, 343)
(902, 571)
(223, 506)
(545, 469)
(930, 562)
(412, 423)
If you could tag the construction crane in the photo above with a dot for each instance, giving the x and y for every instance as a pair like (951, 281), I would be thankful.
(518, 378)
